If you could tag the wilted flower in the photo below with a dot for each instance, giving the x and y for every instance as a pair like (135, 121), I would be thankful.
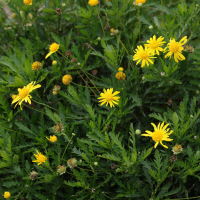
(73, 60)
(173, 158)
(94, 72)
(36, 65)
(6, 195)
(61, 169)
(33, 175)
(72, 163)
(58, 128)
(113, 166)
(58, 11)
(56, 89)
(52, 138)
(189, 48)
(114, 32)
(67, 79)
(177, 149)
(68, 53)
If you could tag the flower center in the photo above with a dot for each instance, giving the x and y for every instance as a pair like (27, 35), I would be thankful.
(157, 136)
(23, 93)
(144, 55)
(41, 158)
(54, 47)
(154, 44)
(109, 97)
(174, 47)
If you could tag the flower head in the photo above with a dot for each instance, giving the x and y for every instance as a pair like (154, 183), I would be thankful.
(67, 79)
(24, 94)
(113, 32)
(112, 29)
(53, 48)
(120, 69)
(143, 55)
(54, 63)
(36, 65)
(56, 89)
(160, 134)
(52, 138)
(72, 163)
(58, 128)
(108, 97)
(6, 195)
(120, 76)
(176, 48)
(39, 158)
(33, 175)
(139, 1)
(93, 2)
(61, 169)
(177, 149)
(14, 96)
(28, 2)
(155, 45)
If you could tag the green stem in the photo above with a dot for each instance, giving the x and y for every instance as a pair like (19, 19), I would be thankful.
(138, 9)
(66, 147)
(45, 105)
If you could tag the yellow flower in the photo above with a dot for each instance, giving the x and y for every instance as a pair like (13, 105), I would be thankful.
(112, 29)
(154, 45)
(53, 48)
(6, 195)
(108, 97)
(176, 48)
(140, 1)
(36, 65)
(39, 158)
(54, 63)
(52, 138)
(121, 69)
(93, 2)
(28, 2)
(14, 96)
(24, 94)
(120, 76)
(143, 55)
(160, 134)
(67, 79)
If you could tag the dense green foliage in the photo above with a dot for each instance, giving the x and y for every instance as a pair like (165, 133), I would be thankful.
(114, 161)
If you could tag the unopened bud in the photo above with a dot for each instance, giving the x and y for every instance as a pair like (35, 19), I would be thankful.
(54, 63)
(140, 4)
(95, 163)
(150, 27)
(137, 132)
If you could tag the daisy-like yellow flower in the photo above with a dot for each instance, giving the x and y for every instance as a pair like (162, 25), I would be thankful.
(176, 48)
(140, 1)
(53, 48)
(93, 2)
(67, 79)
(39, 158)
(6, 195)
(52, 138)
(108, 97)
(160, 134)
(143, 55)
(28, 2)
(154, 45)
(24, 94)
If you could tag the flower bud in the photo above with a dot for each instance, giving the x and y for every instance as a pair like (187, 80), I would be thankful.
(95, 163)
(54, 63)
(150, 27)
(197, 91)
(137, 132)
(140, 4)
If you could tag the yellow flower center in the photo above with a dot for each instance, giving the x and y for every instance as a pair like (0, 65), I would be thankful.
(23, 93)
(157, 136)
(174, 47)
(109, 97)
(154, 44)
(41, 158)
(144, 55)
(54, 47)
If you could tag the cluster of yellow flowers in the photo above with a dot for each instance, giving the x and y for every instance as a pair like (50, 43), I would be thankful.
(154, 46)
(120, 75)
